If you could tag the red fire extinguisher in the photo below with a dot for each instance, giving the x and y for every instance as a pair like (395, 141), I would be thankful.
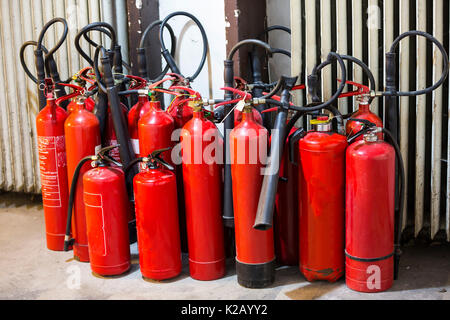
(182, 113)
(141, 107)
(255, 256)
(371, 251)
(256, 115)
(107, 210)
(179, 109)
(155, 130)
(321, 202)
(363, 112)
(155, 193)
(53, 168)
(137, 111)
(82, 132)
(78, 91)
(201, 148)
(241, 84)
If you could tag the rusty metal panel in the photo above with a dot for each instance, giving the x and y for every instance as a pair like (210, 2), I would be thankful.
(22, 21)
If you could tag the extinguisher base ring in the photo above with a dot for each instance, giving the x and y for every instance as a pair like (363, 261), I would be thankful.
(255, 276)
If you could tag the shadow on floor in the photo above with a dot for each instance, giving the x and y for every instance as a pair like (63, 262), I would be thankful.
(17, 200)
(423, 267)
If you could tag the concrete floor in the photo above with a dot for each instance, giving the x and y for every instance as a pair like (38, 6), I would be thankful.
(29, 271)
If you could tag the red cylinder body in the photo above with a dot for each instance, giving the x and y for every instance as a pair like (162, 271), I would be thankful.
(252, 246)
(158, 233)
(286, 211)
(353, 127)
(82, 132)
(370, 206)
(53, 169)
(321, 208)
(107, 210)
(201, 145)
(89, 105)
(111, 138)
(238, 117)
(155, 130)
(134, 115)
(181, 113)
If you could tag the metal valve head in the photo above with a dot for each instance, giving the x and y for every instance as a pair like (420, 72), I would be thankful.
(103, 156)
(154, 159)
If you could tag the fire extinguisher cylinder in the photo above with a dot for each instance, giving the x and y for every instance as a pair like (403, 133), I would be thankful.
(107, 211)
(155, 193)
(53, 170)
(82, 139)
(255, 256)
(321, 198)
(202, 180)
(370, 214)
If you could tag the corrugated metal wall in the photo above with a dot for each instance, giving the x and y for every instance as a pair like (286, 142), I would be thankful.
(362, 28)
(366, 30)
(21, 21)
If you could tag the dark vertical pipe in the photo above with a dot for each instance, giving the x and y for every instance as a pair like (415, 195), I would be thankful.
(228, 213)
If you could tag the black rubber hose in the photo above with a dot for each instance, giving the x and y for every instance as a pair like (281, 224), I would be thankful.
(444, 56)
(366, 69)
(60, 41)
(324, 105)
(266, 202)
(22, 58)
(101, 100)
(95, 44)
(313, 79)
(49, 60)
(100, 29)
(98, 76)
(360, 133)
(73, 190)
(273, 91)
(169, 58)
(46, 64)
(399, 213)
(142, 59)
(119, 120)
(131, 164)
(276, 27)
(97, 26)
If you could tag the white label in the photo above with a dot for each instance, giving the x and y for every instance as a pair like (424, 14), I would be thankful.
(135, 143)
(221, 127)
(52, 159)
(240, 105)
(98, 148)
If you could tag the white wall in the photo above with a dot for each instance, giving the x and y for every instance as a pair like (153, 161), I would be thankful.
(189, 45)
(278, 13)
